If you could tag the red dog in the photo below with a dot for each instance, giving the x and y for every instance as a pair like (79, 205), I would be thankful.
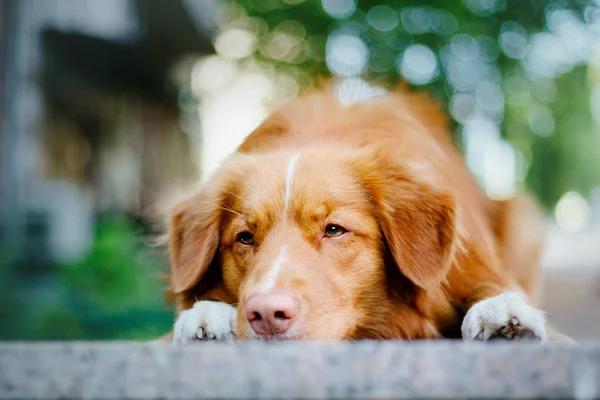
(337, 222)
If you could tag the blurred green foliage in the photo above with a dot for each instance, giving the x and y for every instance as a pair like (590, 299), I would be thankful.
(114, 292)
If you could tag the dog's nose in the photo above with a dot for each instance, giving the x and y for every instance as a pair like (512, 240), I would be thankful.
(272, 313)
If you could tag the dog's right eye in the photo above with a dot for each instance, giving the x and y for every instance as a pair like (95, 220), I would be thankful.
(245, 238)
(332, 231)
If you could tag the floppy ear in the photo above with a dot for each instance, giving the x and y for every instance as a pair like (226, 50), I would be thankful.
(193, 240)
(418, 223)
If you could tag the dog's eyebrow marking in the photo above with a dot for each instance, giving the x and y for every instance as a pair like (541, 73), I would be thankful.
(289, 178)
(270, 278)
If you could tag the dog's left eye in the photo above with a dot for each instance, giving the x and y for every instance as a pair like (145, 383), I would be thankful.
(334, 231)
(245, 238)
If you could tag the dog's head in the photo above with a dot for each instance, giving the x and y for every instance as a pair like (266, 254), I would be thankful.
(317, 244)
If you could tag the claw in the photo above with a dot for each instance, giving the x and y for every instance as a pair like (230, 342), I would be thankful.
(200, 333)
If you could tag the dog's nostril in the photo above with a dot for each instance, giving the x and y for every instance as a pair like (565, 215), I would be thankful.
(256, 317)
(280, 315)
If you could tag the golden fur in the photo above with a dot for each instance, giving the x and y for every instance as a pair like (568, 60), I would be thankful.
(424, 242)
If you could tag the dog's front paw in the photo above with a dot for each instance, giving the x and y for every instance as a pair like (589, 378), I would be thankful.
(206, 320)
(506, 317)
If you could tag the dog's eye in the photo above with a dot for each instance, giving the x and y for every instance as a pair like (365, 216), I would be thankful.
(245, 238)
(334, 231)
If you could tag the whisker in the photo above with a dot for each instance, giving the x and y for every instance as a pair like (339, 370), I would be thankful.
(235, 195)
(230, 210)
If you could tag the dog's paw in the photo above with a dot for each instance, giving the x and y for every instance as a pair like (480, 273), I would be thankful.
(206, 320)
(504, 317)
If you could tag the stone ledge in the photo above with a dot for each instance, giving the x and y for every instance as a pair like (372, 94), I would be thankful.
(299, 370)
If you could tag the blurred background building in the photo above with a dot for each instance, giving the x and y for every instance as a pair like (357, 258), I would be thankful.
(109, 107)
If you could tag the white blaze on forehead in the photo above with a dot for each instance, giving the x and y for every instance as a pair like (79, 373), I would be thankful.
(289, 178)
(270, 278)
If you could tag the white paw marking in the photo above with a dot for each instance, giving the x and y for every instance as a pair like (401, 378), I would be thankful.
(206, 320)
(489, 315)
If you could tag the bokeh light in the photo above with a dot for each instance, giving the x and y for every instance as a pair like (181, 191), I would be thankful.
(513, 39)
(383, 18)
(489, 97)
(228, 115)
(418, 64)
(416, 20)
(485, 8)
(347, 54)
(211, 74)
(339, 8)
(572, 212)
(541, 120)
(235, 43)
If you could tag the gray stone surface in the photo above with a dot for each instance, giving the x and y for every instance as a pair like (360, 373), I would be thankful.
(442, 369)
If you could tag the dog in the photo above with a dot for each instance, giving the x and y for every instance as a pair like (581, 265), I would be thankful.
(345, 222)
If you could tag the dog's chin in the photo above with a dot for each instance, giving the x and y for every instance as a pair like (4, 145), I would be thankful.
(291, 335)
(274, 338)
